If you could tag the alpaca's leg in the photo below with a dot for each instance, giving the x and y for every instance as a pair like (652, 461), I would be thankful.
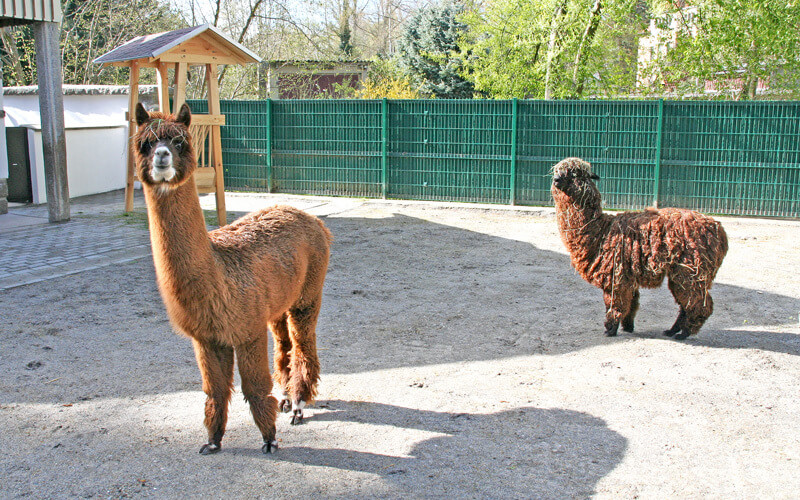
(618, 304)
(698, 311)
(678, 326)
(304, 372)
(283, 347)
(253, 359)
(627, 321)
(216, 366)
(695, 302)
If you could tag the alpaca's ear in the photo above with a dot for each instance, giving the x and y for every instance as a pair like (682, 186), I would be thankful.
(184, 115)
(142, 116)
(594, 176)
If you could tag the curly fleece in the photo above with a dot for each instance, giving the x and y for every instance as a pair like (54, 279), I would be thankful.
(621, 253)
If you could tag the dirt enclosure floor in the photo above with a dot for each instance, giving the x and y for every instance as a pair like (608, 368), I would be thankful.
(462, 357)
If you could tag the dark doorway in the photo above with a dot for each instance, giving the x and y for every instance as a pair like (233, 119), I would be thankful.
(19, 168)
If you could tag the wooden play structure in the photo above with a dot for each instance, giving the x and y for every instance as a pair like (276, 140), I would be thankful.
(177, 50)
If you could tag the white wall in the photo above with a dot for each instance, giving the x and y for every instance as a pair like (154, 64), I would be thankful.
(96, 135)
(100, 110)
(96, 161)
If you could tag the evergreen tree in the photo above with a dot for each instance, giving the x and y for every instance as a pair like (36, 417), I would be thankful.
(428, 52)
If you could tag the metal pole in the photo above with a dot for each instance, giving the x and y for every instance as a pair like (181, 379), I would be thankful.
(659, 129)
(269, 145)
(513, 184)
(384, 140)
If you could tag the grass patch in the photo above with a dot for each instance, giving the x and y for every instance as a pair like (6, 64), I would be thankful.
(136, 218)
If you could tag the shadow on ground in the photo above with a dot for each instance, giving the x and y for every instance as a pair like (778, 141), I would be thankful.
(520, 453)
(401, 292)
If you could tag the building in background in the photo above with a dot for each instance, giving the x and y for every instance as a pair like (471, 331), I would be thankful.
(311, 79)
(96, 135)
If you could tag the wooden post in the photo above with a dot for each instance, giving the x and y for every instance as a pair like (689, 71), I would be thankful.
(180, 86)
(51, 107)
(216, 142)
(133, 98)
(162, 79)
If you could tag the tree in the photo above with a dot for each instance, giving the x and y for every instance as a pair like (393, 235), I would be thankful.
(19, 56)
(345, 33)
(429, 51)
(552, 49)
(89, 29)
(730, 44)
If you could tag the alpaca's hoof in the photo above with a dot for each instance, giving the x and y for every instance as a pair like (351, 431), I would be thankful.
(285, 405)
(209, 449)
(627, 327)
(297, 417)
(669, 333)
(682, 335)
(270, 447)
(611, 328)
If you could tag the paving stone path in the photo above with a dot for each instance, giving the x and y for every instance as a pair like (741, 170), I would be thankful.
(32, 250)
(98, 234)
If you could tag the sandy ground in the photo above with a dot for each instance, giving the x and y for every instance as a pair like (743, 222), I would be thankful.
(462, 357)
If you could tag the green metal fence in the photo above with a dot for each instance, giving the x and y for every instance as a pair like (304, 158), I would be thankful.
(718, 157)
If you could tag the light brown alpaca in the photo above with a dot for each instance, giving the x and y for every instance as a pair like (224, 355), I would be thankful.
(224, 288)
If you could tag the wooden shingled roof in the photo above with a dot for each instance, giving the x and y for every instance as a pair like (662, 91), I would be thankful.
(195, 45)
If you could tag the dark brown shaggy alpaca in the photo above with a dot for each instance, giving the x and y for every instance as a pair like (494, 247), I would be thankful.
(621, 253)
(224, 288)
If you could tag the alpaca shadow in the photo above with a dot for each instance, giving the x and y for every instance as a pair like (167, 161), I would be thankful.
(519, 453)
(786, 343)
(737, 309)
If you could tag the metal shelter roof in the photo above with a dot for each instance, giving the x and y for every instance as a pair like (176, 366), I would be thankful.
(15, 12)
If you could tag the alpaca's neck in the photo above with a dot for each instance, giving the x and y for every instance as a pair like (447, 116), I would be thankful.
(581, 228)
(182, 251)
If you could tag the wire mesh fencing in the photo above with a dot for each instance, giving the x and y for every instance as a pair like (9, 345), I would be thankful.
(739, 158)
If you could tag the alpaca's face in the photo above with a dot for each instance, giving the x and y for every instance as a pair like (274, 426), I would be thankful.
(573, 177)
(165, 157)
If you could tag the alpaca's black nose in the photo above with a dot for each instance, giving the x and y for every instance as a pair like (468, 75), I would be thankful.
(162, 157)
(560, 181)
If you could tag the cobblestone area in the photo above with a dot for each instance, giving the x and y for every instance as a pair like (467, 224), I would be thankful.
(96, 236)
(99, 234)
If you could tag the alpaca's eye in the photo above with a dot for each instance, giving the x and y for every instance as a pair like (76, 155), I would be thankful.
(145, 147)
(179, 145)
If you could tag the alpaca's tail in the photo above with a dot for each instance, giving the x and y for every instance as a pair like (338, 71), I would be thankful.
(714, 248)
(328, 234)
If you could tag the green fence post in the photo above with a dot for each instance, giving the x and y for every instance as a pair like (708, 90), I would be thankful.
(384, 140)
(659, 129)
(269, 145)
(513, 184)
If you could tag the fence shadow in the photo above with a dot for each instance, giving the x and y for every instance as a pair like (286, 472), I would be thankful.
(520, 453)
(401, 292)
(441, 294)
